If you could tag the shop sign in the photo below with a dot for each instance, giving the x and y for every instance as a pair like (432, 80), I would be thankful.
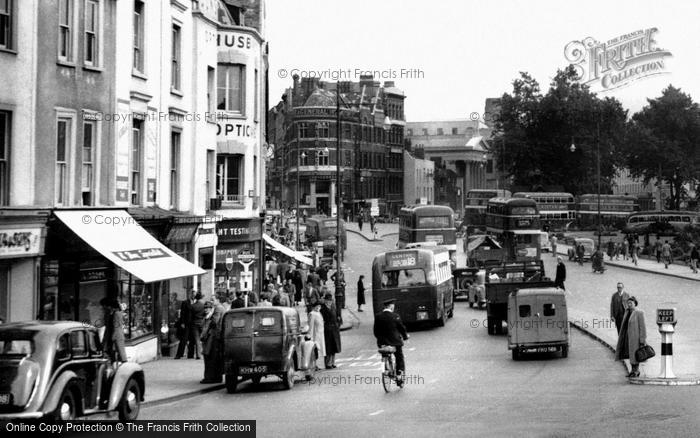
(141, 254)
(246, 256)
(20, 242)
(239, 231)
(97, 274)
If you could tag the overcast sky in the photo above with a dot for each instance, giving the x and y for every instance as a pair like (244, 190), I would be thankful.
(468, 50)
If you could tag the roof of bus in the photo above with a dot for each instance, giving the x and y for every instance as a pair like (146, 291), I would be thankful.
(602, 196)
(419, 209)
(526, 194)
(512, 201)
(665, 212)
(424, 250)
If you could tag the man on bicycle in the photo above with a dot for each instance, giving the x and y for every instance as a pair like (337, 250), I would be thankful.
(389, 330)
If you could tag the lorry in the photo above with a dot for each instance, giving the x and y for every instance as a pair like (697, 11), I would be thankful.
(504, 278)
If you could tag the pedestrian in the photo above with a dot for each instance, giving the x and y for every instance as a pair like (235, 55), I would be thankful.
(561, 273)
(316, 329)
(239, 302)
(666, 253)
(580, 253)
(634, 249)
(323, 274)
(290, 289)
(633, 335)
(315, 278)
(597, 261)
(611, 249)
(338, 278)
(371, 224)
(298, 287)
(311, 296)
(265, 300)
(618, 305)
(360, 293)
(618, 250)
(184, 326)
(331, 330)
(211, 340)
(198, 313)
(113, 342)
(625, 249)
(694, 258)
(553, 241)
(359, 220)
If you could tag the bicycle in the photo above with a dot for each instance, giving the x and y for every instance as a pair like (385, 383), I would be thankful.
(389, 376)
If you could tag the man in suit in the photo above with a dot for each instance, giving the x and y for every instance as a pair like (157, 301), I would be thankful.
(198, 314)
(618, 305)
(184, 324)
(389, 330)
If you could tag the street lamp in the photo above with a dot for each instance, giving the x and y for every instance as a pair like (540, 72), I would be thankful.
(597, 144)
(338, 242)
(298, 195)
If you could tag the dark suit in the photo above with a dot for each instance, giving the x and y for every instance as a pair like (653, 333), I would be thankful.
(561, 276)
(618, 304)
(184, 326)
(389, 330)
(198, 313)
(238, 303)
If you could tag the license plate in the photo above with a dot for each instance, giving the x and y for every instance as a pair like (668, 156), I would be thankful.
(422, 316)
(5, 399)
(252, 370)
(546, 349)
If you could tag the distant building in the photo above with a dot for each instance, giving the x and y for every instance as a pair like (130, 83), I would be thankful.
(303, 127)
(418, 181)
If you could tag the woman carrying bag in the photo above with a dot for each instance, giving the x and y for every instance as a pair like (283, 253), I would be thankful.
(633, 337)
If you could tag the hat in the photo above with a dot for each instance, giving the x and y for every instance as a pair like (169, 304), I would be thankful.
(389, 301)
(633, 298)
(208, 304)
(328, 297)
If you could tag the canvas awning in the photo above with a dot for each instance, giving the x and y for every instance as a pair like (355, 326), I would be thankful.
(289, 252)
(118, 237)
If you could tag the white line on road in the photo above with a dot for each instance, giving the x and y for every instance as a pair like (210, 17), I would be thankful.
(376, 413)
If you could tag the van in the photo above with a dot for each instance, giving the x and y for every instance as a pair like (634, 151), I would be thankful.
(538, 321)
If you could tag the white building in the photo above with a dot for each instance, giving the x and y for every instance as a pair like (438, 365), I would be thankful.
(418, 180)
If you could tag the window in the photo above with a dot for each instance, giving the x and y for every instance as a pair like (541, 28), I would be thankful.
(410, 132)
(6, 24)
(403, 278)
(92, 32)
(549, 309)
(175, 58)
(211, 91)
(303, 130)
(230, 176)
(65, 30)
(88, 162)
(136, 157)
(322, 130)
(5, 120)
(231, 88)
(440, 131)
(211, 170)
(454, 131)
(63, 142)
(524, 311)
(323, 158)
(425, 131)
(78, 344)
(174, 166)
(256, 97)
(139, 21)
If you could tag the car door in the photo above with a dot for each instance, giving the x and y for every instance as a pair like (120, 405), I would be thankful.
(268, 336)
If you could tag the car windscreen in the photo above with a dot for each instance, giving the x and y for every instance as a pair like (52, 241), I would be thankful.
(403, 278)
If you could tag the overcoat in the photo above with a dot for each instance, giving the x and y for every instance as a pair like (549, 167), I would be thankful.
(316, 331)
(636, 337)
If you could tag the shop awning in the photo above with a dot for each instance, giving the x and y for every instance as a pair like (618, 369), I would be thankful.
(524, 231)
(118, 237)
(287, 251)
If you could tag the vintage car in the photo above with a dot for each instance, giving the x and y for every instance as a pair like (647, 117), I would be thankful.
(588, 247)
(57, 369)
(262, 341)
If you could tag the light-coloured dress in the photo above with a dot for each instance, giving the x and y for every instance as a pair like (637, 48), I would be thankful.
(316, 331)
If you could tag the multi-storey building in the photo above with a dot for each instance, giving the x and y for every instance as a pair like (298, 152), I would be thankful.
(419, 179)
(145, 117)
(304, 129)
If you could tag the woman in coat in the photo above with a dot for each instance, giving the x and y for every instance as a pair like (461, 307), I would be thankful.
(633, 334)
(331, 330)
(360, 293)
(211, 341)
(113, 342)
(316, 329)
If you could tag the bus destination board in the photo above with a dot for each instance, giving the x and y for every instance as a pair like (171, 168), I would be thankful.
(401, 259)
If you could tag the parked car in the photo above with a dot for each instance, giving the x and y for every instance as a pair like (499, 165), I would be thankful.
(588, 247)
(57, 369)
(262, 341)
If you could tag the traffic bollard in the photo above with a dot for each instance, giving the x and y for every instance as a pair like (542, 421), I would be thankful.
(666, 320)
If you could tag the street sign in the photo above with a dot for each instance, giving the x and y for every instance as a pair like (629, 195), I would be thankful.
(246, 256)
(666, 316)
(229, 261)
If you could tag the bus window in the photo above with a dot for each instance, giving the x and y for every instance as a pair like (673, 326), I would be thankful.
(523, 210)
(433, 222)
(403, 278)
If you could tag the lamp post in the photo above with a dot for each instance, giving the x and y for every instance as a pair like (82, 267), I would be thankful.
(597, 144)
(298, 195)
(338, 243)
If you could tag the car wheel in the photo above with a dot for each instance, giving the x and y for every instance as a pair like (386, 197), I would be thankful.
(288, 379)
(130, 404)
(231, 383)
(66, 409)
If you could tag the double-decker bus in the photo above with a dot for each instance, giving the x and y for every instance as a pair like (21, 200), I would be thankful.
(639, 221)
(613, 208)
(419, 279)
(427, 223)
(515, 222)
(475, 207)
(556, 208)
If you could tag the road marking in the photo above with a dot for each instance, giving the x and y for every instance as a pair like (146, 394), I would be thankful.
(376, 413)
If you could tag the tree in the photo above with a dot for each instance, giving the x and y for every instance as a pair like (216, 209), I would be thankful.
(662, 141)
(537, 131)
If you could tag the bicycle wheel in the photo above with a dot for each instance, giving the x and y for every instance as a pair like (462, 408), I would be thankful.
(388, 374)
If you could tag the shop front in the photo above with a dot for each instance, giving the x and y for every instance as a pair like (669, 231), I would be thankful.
(93, 254)
(22, 242)
(239, 255)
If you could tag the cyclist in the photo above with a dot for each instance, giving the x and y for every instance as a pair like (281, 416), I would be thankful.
(389, 330)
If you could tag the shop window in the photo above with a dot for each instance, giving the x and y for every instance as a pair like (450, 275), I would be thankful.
(136, 299)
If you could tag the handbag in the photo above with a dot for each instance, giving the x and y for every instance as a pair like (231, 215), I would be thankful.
(644, 353)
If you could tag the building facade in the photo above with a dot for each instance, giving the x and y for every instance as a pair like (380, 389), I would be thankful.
(419, 180)
(304, 128)
(146, 120)
(459, 146)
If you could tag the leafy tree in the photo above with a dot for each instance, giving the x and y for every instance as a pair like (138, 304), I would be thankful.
(662, 142)
(534, 134)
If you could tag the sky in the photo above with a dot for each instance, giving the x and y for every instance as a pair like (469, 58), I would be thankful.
(448, 56)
